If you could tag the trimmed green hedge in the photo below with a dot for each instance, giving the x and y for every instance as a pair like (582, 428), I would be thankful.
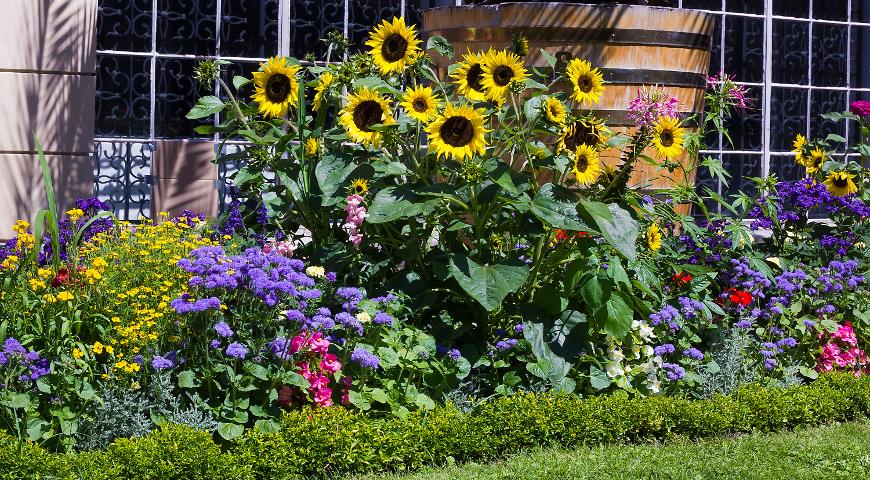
(329, 442)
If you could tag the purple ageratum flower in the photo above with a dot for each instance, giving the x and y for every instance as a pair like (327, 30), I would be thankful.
(236, 350)
(215, 344)
(769, 363)
(3, 359)
(454, 354)
(330, 277)
(674, 371)
(787, 342)
(11, 346)
(161, 363)
(664, 349)
(518, 328)
(365, 358)
(382, 318)
(183, 304)
(223, 330)
(809, 323)
(693, 353)
(505, 345)
(349, 322)
(295, 316)
(743, 324)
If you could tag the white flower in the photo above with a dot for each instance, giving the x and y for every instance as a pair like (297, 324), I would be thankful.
(635, 324)
(635, 350)
(363, 317)
(655, 386)
(627, 370)
(316, 272)
(646, 331)
(648, 367)
(614, 369)
(648, 350)
(616, 355)
(657, 360)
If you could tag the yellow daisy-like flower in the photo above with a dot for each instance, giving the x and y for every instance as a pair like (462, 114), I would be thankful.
(841, 183)
(582, 132)
(65, 296)
(420, 103)
(76, 353)
(311, 147)
(499, 70)
(588, 82)
(654, 237)
(75, 214)
(798, 149)
(360, 186)
(668, 137)
(586, 166)
(458, 132)
(21, 226)
(394, 45)
(364, 109)
(468, 77)
(555, 111)
(815, 161)
(276, 87)
(323, 83)
(97, 348)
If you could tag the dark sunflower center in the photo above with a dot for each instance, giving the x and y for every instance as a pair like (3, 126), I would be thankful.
(420, 105)
(502, 75)
(579, 134)
(278, 88)
(359, 189)
(841, 182)
(394, 48)
(457, 131)
(366, 114)
(582, 163)
(584, 84)
(474, 76)
(666, 138)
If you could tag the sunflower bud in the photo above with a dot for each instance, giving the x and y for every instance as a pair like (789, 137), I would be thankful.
(260, 157)
(472, 172)
(520, 44)
(207, 72)
(517, 87)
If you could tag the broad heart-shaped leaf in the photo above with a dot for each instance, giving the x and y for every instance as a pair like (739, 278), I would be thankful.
(230, 431)
(440, 45)
(394, 203)
(556, 206)
(488, 284)
(332, 171)
(205, 107)
(620, 230)
(499, 172)
(615, 319)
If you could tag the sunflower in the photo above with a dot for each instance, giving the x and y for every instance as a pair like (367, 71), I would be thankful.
(555, 110)
(582, 132)
(668, 137)
(654, 237)
(364, 109)
(276, 87)
(799, 143)
(840, 183)
(322, 84)
(815, 161)
(586, 167)
(458, 132)
(588, 82)
(499, 70)
(311, 147)
(360, 187)
(394, 45)
(420, 103)
(468, 76)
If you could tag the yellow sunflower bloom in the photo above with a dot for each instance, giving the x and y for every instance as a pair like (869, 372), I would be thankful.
(841, 183)
(582, 132)
(654, 237)
(815, 161)
(586, 166)
(555, 110)
(499, 70)
(394, 45)
(458, 132)
(360, 186)
(468, 77)
(420, 103)
(799, 143)
(276, 87)
(668, 137)
(588, 82)
(364, 109)
(323, 83)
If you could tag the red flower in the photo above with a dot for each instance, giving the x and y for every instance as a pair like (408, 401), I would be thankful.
(681, 279)
(62, 278)
(739, 297)
(562, 235)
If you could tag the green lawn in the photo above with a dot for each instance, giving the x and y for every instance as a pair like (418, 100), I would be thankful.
(830, 452)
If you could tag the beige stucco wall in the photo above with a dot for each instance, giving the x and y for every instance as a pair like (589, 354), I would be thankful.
(47, 87)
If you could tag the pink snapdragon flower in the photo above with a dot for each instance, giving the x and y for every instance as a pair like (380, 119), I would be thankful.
(649, 105)
(283, 248)
(356, 214)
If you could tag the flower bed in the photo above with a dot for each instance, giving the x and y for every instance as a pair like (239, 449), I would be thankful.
(432, 241)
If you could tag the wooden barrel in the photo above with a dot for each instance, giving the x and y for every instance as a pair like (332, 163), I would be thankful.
(634, 46)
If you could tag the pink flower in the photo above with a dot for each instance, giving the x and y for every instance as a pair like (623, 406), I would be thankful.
(860, 108)
(323, 397)
(649, 105)
(318, 344)
(318, 381)
(356, 215)
(296, 344)
(330, 363)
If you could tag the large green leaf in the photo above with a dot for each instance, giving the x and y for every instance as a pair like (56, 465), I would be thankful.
(615, 319)
(332, 172)
(394, 203)
(619, 228)
(488, 284)
(557, 207)
(206, 107)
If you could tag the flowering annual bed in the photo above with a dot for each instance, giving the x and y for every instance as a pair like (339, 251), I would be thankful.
(398, 241)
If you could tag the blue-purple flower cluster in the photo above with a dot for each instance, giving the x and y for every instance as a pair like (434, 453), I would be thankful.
(795, 199)
(29, 365)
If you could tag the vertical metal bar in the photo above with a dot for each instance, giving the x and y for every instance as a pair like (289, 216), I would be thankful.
(809, 71)
(768, 79)
(848, 65)
(284, 27)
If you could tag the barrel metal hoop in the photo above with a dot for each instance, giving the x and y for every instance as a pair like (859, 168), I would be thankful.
(569, 35)
(666, 78)
(616, 118)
